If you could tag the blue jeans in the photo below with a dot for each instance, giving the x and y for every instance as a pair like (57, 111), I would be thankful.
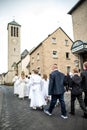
(53, 103)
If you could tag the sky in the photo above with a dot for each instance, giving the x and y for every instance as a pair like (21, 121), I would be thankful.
(38, 19)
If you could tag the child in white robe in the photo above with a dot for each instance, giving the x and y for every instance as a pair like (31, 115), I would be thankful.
(15, 79)
(27, 87)
(22, 85)
(45, 85)
(36, 97)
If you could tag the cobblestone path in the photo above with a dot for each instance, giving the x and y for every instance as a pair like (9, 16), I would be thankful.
(16, 115)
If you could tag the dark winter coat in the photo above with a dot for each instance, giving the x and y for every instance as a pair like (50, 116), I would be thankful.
(84, 80)
(56, 83)
(75, 84)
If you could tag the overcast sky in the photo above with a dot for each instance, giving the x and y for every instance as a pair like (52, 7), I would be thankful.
(38, 19)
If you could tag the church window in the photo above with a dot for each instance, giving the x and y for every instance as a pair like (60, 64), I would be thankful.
(17, 31)
(11, 30)
(14, 31)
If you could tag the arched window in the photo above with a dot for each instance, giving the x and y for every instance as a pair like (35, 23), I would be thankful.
(17, 31)
(11, 30)
(14, 31)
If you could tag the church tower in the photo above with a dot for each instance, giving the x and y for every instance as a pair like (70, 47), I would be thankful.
(14, 49)
(14, 44)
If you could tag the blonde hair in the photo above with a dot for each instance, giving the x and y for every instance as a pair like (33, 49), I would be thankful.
(23, 73)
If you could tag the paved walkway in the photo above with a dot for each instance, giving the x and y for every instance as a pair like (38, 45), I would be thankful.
(15, 114)
(1, 97)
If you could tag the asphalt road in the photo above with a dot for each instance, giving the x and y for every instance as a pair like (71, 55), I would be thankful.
(15, 114)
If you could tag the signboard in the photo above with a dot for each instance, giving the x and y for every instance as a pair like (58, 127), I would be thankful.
(78, 46)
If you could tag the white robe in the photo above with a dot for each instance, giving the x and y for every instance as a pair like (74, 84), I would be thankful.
(45, 85)
(15, 80)
(27, 88)
(35, 95)
(22, 87)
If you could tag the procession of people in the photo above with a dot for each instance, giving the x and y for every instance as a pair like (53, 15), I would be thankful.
(41, 89)
(33, 87)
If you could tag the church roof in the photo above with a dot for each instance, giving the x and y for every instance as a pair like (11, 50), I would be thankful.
(24, 54)
(14, 23)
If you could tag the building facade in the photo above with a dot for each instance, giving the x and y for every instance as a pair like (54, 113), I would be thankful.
(79, 20)
(56, 48)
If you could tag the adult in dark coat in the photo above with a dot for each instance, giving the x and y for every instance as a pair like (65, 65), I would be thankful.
(56, 90)
(76, 92)
(84, 84)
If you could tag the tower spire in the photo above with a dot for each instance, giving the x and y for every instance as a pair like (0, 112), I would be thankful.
(13, 18)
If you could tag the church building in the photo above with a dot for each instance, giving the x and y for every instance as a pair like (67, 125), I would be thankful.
(14, 49)
(79, 20)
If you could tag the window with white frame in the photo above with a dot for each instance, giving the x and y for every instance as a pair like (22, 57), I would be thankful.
(55, 54)
(66, 42)
(53, 40)
(68, 69)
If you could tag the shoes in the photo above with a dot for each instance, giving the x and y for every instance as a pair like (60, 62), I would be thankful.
(47, 112)
(40, 108)
(85, 111)
(21, 98)
(72, 113)
(64, 117)
(34, 108)
(84, 117)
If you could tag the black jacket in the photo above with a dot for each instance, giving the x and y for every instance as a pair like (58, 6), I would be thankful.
(75, 84)
(84, 80)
